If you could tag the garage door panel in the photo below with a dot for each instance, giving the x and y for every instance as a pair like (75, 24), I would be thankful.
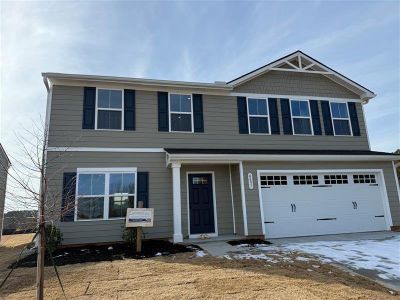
(303, 210)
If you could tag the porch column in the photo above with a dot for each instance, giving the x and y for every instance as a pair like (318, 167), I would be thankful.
(176, 192)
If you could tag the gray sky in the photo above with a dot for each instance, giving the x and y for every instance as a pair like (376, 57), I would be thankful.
(197, 41)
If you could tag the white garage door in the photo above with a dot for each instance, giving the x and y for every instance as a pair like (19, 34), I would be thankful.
(317, 203)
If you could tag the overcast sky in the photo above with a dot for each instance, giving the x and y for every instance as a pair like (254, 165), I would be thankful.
(192, 41)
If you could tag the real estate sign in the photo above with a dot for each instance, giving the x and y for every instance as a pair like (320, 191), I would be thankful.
(139, 217)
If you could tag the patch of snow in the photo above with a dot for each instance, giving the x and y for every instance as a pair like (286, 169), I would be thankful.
(301, 258)
(200, 253)
(243, 245)
(315, 266)
(227, 257)
(110, 248)
(382, 256)
(158, 254)
(309, 270)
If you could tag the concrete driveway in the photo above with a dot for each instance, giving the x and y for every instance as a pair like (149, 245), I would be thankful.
(375, 255)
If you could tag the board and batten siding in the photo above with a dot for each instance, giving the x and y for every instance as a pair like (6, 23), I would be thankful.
(252, 197)
(3, 185)
(222, 194)
(221, 128)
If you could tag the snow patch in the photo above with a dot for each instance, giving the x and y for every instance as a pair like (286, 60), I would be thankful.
(200, 253)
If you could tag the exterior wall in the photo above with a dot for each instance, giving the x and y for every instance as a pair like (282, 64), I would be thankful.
(3, 184)
(237, 199)
(252, 197)
(221, 129)
(293, 83)
(160, 193)
(222, 193)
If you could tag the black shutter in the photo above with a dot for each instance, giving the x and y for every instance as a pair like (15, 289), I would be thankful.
(198, 113)
(68, 197)
(316, 122)
(273, 114)
(129, 110)
(242, 115)
(286, 116)
(163, 122)
(326, 115)
(89, 107)
(354, 118)
(143, 188)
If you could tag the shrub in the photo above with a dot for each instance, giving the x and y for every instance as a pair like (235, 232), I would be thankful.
(53, 238)
(129, 235)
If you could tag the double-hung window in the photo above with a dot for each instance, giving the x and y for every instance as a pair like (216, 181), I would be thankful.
(105, 194)
(340, 118)
(109, 109)
(180, 113)
(301, 117)
(258, 115)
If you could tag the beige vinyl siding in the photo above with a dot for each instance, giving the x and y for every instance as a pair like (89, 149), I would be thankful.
(220, 128)
(222, 193)
(3, 185)
(294, 83)
(252, 197)
(160, 193)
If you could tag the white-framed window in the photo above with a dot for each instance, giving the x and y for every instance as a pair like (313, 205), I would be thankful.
(340, 118)
(364, 178)
(270, 180)
(103, 194)
(180, 113)
(258, 116)
(305, 179)
(301, 117)
(336, 179)
(109, 109)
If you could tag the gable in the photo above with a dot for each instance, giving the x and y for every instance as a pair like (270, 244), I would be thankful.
(295, 83)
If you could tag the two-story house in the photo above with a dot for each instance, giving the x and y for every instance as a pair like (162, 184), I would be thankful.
(281, 151)
(4, 166)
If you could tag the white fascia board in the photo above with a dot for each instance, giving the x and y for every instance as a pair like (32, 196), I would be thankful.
(223, 158)
(95, 149)
(293, 97)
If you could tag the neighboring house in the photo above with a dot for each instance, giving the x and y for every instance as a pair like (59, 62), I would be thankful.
(280, 151)
(19, 221)
(4, 166)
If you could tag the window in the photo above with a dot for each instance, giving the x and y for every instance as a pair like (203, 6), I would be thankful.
(109, 109)
(336, 179)
(305, 179)
(340, 118)
(301, 117)
(258, 115)
(364, 178)
(180, 113)
(273, 180)
(200, 180)
(105, 194)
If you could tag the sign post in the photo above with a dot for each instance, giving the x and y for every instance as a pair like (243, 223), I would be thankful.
(139, 217)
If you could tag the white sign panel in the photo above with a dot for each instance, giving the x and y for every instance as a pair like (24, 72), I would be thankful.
(139, 217)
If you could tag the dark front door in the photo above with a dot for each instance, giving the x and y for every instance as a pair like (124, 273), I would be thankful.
(201, 204)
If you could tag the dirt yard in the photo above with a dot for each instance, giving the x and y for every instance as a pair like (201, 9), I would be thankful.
(188, 276)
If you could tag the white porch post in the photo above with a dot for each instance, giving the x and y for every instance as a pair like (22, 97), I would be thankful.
(176, 192)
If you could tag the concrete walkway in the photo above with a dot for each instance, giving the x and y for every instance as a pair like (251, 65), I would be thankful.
(217, 248)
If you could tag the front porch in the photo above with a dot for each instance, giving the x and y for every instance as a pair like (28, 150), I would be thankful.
(207, 201)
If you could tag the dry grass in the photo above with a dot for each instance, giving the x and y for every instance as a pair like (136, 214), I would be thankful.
(187, 276)
(10, 247)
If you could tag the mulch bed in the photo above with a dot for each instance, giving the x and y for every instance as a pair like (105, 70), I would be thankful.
(97, 253)
(251, 242)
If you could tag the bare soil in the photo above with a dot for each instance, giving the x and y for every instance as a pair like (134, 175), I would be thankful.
(184, 275)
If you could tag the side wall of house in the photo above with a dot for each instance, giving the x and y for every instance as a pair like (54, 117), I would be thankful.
(3, 185)
(237, 199)
(252, 197)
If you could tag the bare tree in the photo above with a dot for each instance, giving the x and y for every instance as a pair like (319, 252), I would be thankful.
(29, 187)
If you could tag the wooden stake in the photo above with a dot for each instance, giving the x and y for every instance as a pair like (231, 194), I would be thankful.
(138, 239)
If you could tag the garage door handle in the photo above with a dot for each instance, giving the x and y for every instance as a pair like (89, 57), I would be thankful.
(295, 208)
(326, 219)
(292, 206)
(355, 205)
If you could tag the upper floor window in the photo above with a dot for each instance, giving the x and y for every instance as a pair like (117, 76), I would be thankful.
(258, 117)
(109, 109)
(301, 117)
(340, 118)
(181, 113)
(105, 194)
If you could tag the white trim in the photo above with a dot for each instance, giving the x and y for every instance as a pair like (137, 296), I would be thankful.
(382, 185)
(341, 119)
(122, 109)
(366, 126)
(96, 149)
(396, 178)
(212, 234)
(232, 200)
(295, 97)
(300, 117)
(258, 116)
(106, 195)
(176, 202)
(180, 113)
(243, 196)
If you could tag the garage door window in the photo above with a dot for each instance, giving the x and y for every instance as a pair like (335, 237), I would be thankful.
(336, 179)
(364, 178)
(305, 179)
(273, 180)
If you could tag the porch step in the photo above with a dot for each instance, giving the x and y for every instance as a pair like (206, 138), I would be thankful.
(217, 248)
